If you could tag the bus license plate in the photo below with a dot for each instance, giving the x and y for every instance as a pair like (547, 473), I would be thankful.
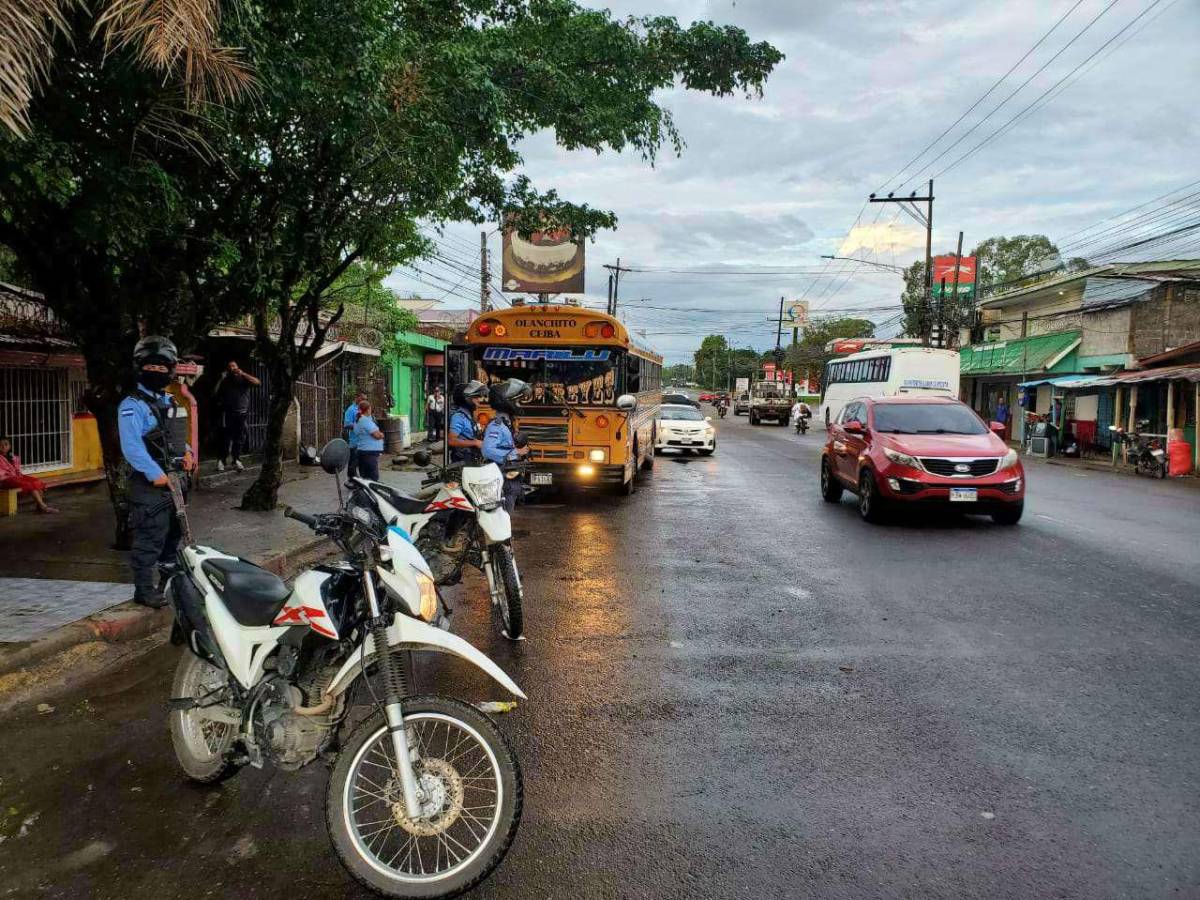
(541, 478)
(963, 495)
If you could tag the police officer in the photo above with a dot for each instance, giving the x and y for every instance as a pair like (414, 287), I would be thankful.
(152, 446)
(502, 443)
(463, 434)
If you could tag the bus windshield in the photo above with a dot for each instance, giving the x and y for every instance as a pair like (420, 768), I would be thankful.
(580, 376)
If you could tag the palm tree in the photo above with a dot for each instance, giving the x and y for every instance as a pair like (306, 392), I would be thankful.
(176, 38)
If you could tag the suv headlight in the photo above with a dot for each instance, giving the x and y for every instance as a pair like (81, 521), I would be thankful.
(485, 494)
(1008, 460)
(902, 459)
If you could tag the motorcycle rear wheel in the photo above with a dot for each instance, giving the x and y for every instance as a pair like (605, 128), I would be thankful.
(472, 810)
(202, 746)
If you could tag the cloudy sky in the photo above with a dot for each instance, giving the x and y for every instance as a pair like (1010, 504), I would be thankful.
(774, 183)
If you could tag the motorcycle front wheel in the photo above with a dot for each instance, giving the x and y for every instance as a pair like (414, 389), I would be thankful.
(512, 596)
(471, 805)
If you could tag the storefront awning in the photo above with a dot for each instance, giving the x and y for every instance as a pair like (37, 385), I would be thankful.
(1017, 357)
(1059, 381)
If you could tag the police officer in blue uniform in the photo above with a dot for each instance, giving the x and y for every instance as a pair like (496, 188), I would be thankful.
(462, 435)
(153, 446)
(502, 441)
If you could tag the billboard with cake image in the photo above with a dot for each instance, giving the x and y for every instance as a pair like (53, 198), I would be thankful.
(546, 262)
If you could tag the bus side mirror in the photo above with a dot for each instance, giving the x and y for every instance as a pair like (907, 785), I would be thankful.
(627, 403)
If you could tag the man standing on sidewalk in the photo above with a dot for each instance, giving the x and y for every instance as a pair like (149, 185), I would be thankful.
(435, 410)
(152, 447)
(233, 400)
(1002, 415)
(348, 419)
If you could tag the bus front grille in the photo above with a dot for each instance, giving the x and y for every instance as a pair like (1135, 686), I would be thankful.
(550, 454)
(545, 434)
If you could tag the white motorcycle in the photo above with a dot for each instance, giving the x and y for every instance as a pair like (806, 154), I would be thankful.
(425, 795)
(458, 518)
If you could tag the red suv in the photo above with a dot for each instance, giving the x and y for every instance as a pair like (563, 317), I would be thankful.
(906, 451)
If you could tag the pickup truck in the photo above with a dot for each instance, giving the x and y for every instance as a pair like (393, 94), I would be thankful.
(769, 400)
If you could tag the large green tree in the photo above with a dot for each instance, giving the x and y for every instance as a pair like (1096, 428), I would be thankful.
(368, 116)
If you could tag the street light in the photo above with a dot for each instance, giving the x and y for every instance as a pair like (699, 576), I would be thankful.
(899, 270)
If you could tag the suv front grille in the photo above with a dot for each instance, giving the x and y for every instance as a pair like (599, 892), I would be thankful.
(544, 434)
(948, 467)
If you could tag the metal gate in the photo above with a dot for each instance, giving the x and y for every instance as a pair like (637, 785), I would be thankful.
(35, 414)
(321, 391)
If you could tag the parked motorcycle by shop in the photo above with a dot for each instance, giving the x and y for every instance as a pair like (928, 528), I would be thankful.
(425, 794)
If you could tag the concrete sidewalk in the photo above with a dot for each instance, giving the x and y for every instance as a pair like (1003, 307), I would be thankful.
(62, 584)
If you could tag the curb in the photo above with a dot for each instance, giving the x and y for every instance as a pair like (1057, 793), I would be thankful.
(131, 622)
(1106, 468)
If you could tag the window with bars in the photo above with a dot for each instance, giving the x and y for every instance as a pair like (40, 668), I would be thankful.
(35, 414)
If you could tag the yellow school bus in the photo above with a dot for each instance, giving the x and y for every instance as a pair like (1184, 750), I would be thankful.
(591, 419)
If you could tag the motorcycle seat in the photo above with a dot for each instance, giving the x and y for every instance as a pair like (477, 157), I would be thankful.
(406, 505)
(252, 595)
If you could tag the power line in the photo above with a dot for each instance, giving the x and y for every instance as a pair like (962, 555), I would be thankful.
(1020, 88)
(982, 97)
(1030, 108)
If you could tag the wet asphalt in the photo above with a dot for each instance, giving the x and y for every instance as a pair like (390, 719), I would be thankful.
(736, 691)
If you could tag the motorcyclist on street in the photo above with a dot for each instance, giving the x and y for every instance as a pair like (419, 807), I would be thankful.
(153, 447)
(800, 410)
(462, 435)
(502, 442)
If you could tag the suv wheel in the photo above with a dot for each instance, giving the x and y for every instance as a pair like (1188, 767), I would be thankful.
(1010, 514)
(831, 488)
(870, 504)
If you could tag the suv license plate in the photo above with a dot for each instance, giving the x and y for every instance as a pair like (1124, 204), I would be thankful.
(963, 495)
(541, 478)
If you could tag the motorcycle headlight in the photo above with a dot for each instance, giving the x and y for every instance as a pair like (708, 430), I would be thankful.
(485, 494)
(1008, 460)
(429, 596)
(902, 459)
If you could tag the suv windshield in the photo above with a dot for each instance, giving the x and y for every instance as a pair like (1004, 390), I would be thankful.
(687, 414)
(926, 418)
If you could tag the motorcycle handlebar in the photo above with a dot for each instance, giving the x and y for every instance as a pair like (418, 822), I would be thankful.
(308, 520)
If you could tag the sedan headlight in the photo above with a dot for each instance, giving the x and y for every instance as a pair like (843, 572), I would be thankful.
(902, 459)
(485, 494)
(429, 596)
(1008, 460)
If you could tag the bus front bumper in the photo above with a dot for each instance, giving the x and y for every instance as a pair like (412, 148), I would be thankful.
(540, 475)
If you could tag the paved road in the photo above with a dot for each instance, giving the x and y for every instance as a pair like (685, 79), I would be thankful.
(739, 691)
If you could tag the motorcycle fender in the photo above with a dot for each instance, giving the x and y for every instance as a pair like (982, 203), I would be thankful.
(411, 634)
(496, 524)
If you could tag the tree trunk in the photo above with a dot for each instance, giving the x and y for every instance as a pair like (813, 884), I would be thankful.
(103, 404)
(263, 494)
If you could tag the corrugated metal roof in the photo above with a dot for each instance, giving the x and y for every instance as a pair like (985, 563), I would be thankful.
(1165, 373)
(1160, 270)
(1109, 293)
(1016, 357)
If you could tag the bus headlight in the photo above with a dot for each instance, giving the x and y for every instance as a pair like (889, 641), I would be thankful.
(586, 471)
(598, 456)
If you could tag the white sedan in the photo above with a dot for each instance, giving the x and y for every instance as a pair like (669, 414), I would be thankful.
(684, 428)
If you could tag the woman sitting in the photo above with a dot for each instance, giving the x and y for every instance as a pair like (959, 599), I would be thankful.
(11, 477)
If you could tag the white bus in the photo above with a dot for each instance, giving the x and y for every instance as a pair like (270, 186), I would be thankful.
(885, 373)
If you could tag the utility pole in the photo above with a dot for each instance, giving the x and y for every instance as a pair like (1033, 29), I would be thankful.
(925, 219)
(615, 278)
(779, 343)
(484, 294)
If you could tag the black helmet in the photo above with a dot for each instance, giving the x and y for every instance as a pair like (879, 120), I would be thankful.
(476, 389)
(506, 396)
(155, 350)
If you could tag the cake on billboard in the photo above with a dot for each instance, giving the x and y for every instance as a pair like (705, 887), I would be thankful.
(545, 262)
